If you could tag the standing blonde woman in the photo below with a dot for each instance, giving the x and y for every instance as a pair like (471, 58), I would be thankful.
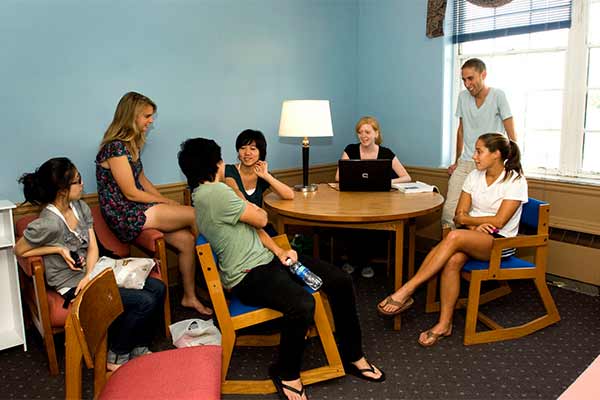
(130, 202)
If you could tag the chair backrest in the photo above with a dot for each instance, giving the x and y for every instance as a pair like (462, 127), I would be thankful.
(22, 223)
(535, 215)
(96, 307)
(209, 264)
(106, 237)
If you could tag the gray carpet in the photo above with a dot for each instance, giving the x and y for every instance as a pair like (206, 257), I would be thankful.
(540, 366)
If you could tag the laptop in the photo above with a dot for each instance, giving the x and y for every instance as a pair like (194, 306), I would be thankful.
(365, 175)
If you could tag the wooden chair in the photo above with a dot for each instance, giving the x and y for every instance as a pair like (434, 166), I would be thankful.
(534, 217)
(191, 373)
(150, 241)
(45, 304)
(235, 316)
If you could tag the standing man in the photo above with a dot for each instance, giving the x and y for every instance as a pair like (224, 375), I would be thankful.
(480, 109)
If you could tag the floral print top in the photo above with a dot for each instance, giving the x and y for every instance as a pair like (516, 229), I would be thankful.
(126, 218)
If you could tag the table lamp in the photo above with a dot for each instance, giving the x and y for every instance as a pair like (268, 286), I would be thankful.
(305, 118)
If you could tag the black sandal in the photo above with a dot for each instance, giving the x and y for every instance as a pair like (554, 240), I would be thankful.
(279, 385)
(360, 372)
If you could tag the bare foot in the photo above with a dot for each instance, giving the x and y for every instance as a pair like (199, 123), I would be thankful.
(296, 384)
(398, 300)
(195, 303)
(112, 367)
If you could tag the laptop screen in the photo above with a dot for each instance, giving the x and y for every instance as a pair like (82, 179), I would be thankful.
(365, 175)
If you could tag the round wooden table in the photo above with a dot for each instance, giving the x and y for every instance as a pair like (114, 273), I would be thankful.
(389, 211)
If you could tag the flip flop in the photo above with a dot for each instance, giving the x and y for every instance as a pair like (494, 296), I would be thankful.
(279, 385)
(432, 335)
(359, 372)
(401, 306)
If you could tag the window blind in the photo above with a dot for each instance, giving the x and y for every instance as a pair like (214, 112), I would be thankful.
(473, 22)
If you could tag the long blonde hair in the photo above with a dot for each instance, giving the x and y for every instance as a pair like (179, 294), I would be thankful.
(374, 124)
(123, 126)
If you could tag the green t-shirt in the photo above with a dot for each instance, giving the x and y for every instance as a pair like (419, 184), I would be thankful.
(236, 244)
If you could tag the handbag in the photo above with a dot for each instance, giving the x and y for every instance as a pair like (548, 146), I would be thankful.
(194, 332)
(130, 273)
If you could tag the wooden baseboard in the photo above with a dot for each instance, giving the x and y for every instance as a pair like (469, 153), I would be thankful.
(573, 207)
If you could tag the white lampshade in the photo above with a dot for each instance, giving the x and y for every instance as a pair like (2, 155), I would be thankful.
(305, 118)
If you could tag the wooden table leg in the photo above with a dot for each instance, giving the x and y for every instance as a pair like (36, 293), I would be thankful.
(398, 264)
(412, 238)
(280, 225)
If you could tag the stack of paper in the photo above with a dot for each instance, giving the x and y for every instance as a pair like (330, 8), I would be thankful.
(414, 187)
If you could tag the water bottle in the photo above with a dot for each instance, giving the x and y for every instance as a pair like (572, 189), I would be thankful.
(312, 280)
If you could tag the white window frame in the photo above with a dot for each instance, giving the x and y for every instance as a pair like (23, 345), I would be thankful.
(574, 95)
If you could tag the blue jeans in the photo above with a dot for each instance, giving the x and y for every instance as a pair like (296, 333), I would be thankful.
(137, 324)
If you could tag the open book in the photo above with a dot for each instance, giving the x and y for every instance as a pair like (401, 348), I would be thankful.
(414, 187)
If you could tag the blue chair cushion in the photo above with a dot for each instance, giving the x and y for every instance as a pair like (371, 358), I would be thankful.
(236, 307)
(511, 262)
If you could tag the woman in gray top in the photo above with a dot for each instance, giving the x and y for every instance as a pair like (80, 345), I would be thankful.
(64, 236)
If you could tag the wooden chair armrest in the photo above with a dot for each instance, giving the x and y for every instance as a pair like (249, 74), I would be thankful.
(164, 274)
(29, 264)
(520, 242)
(524, 241)
(147, 239)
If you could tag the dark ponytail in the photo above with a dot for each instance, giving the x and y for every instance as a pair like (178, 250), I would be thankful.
(42, 186)
(513, 162)
(509, 152)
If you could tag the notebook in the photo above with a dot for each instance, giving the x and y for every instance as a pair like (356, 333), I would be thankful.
(365, 175)
(415, 187)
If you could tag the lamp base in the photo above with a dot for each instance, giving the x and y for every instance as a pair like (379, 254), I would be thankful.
(305, 189)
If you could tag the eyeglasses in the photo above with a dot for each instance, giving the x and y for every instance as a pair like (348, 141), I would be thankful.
(77, 181)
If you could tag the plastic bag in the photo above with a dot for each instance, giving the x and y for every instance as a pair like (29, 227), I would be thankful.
(130, 273)
(194, 332)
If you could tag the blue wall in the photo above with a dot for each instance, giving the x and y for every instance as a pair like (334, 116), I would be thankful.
(401, 79)
(214, 67)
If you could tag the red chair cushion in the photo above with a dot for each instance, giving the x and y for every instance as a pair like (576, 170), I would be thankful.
(22, 223)
(106, 236)
(58, 315)
(147, 239)
(187, 373)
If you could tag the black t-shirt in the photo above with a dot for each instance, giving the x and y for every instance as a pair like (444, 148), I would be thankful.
(353, 152)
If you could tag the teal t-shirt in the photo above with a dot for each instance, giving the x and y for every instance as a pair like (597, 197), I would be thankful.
(486, 119)
(236, 244)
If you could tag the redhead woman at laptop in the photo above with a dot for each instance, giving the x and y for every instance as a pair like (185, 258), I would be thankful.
(369, 148)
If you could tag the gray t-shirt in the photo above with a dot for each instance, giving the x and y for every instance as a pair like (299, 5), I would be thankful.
(50, 230)
(236, 244)
(488, 118)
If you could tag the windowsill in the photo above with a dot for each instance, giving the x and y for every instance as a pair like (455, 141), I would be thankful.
(564, 179)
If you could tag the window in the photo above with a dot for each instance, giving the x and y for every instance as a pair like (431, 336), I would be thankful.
(552, 82)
